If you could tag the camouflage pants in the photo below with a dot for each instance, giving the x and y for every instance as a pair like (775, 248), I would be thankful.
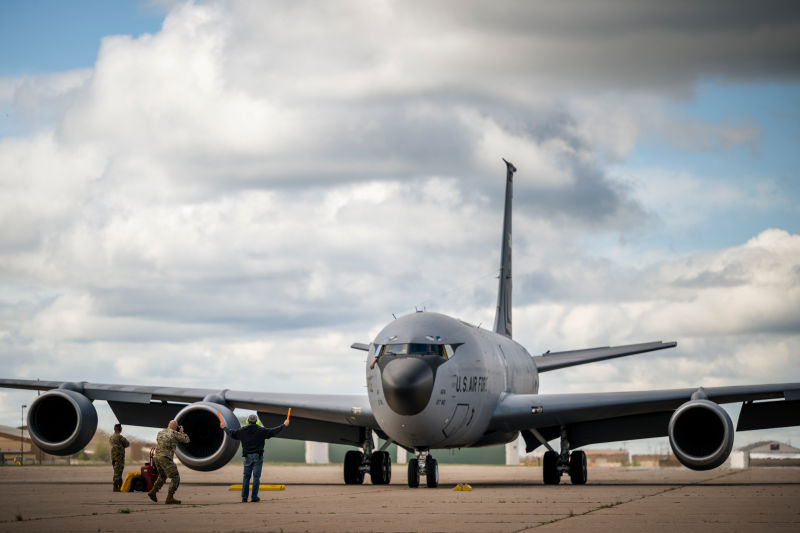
(166, 469)
(119, 466)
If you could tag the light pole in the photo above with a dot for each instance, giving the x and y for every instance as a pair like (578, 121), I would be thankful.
(21, 434)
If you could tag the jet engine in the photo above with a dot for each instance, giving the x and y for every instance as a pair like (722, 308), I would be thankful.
(209, 447)
(62, 421)
(701, 434)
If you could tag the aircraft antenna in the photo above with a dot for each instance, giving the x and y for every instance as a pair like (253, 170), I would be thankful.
(502, 317)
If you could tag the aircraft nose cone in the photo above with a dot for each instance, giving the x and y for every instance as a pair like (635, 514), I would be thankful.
(407, 385)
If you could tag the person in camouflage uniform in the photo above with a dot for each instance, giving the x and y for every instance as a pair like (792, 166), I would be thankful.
(166, 442)
(118, 445)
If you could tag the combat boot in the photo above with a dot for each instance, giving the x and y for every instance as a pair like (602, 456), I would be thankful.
(152, 494)
(116, 487)
(171, 499)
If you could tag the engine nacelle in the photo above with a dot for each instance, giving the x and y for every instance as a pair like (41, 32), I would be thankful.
(62, 421)
(209, 447)
(701, 434)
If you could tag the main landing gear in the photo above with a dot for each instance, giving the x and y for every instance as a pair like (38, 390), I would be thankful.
(555, 464)
(423, 465)
(377, 463)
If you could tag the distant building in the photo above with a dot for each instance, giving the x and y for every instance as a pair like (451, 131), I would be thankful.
(765, 453)
(12, 439)
(617, 457)
(659, 460)
(99, 449)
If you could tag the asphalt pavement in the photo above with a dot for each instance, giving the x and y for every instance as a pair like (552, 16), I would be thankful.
(502, 499)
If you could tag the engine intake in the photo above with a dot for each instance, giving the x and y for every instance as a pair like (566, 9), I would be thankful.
(62, 421)
(701, 434)
(209, 447)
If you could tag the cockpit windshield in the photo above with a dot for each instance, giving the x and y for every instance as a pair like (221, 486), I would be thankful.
(443, 350)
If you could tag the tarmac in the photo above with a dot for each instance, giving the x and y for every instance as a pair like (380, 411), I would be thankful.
(502, 499)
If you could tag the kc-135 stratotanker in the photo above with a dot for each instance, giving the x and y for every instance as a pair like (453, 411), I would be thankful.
(433, 382)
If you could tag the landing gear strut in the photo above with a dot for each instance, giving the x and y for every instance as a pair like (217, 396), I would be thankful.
(378, 464)
(555, 464)
(423, 465)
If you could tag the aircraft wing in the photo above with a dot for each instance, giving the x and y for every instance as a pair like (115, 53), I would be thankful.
(617, 416)
(319, 417)
(555, 360)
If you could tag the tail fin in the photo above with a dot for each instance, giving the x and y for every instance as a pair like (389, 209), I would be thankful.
(502, 317)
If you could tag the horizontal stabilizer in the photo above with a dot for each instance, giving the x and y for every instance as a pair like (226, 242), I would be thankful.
(555, 360)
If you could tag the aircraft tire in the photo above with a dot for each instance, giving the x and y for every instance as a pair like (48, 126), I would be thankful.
(138, 484)
(432, 472)
(550, 473)
(380, 468)
(352, 468)
(413, 473)
(387, 465)
(578, 473)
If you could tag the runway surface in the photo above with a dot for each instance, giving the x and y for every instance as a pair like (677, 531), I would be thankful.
(503, 499)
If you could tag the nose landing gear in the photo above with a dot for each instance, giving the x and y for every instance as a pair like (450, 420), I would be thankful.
(555, 464)
(378, 464)
(423, 465)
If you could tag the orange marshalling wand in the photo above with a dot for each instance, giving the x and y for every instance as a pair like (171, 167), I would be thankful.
(289, 413)
(220, 418)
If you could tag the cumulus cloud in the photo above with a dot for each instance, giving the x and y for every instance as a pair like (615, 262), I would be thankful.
(733, 313)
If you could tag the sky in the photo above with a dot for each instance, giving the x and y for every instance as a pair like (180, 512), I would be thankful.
(227, 194)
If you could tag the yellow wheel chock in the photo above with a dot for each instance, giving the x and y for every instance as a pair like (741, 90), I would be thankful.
(260, 487)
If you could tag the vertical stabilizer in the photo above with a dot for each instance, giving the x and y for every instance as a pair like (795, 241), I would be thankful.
(502, 318)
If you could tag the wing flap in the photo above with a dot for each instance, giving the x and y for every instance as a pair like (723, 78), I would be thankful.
(152, 415)
(315, 430)
(641, 426)
(764, 415)
(555, 360)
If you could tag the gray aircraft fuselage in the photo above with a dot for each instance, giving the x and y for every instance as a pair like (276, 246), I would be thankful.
(437, 381)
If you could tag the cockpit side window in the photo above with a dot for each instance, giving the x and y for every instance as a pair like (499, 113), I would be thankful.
(448, 351)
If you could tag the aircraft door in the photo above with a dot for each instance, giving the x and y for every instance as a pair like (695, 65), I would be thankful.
(457, 421)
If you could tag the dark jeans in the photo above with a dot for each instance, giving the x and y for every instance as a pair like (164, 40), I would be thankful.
(252, 465)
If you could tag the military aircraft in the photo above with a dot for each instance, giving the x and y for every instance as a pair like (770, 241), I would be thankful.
(433, 382)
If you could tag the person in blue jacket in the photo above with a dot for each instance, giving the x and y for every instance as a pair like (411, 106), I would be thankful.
(252, 436)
